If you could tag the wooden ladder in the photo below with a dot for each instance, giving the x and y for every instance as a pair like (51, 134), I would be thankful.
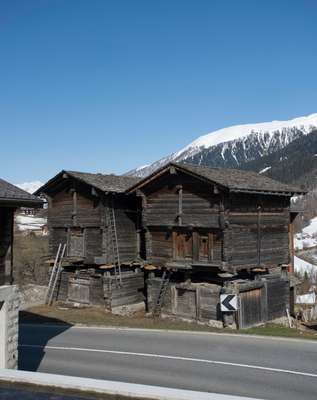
(114, 243)
(157, 309)
(55, 274)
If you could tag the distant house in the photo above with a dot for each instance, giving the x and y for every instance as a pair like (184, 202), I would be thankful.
(11, 198)
(216, 231)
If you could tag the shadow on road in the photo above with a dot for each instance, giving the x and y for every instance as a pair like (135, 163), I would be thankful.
(34, 333)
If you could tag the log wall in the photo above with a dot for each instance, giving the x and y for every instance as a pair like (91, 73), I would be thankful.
(129, 292)
(257, 231)
(200, 206)
(80, 221)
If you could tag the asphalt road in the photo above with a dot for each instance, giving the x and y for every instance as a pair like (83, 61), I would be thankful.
(262, 368)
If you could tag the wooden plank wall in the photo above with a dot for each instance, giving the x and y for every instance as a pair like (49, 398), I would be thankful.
(252, 306)
(278, 297)
(200, 206)
(56, 236)
(126, 222)
(130, 292)
(209, 306)
(82, 287)
(88, 210)
(162, 247)
(88, 215)
(153, 287)
(257, 236)
(263, 300)
(93, 243)
(193, 301)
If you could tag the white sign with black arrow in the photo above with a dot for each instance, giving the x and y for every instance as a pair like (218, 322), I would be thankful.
(229, 302)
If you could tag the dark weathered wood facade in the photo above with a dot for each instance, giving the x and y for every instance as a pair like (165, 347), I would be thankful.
(190, 220)
(11, 198)
(218, 227)
(218, 231)
(98, 222)
(79, 208)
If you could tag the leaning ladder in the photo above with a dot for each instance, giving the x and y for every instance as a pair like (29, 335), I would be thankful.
(161, 294)
(56, 272)
(114, 243)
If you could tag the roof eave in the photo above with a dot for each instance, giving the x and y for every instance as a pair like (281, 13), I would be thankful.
(16, 203)
(69, 174)
(268, 192)
(44, 188)
(163, 169)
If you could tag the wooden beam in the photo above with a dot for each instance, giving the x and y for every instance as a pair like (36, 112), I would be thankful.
(259, 236)
(180, 204)
(74, 214)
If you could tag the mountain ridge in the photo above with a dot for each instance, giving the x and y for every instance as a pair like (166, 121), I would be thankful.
(237, 144)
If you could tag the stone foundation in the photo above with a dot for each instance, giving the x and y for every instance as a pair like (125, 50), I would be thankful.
(9, 325)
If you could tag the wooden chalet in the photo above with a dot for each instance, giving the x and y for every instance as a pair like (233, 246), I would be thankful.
(11, 198)
(97, 220)
(216, 231)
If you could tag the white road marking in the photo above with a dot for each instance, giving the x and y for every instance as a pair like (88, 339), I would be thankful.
(177, 358)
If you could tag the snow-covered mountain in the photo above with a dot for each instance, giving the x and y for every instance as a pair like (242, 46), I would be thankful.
(30, 187)
(230, 147)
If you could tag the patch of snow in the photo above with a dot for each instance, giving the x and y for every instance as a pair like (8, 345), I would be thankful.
(266, 134)
(308, 298)
(142, 167)
(29, 222)
(303, 242)
(308, 237)
(306, 124)
(30, 187)
(264, 170)
(301, 266)
(311, 229)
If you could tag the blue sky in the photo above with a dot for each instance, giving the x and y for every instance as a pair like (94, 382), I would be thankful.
(112, 84)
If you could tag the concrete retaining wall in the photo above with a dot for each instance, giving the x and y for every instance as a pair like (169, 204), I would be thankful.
(9, 326)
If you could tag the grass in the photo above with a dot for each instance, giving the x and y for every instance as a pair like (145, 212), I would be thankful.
(93, 316)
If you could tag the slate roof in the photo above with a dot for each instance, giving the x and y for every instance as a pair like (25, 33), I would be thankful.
(10, 194)
(105, 183)
(233, 179)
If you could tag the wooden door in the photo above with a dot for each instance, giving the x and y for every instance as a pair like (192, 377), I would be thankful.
(251, 308)
(206, 247)
(183, 246)
(76, 243)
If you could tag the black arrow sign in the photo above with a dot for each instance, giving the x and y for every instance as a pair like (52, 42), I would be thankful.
(226, 302)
